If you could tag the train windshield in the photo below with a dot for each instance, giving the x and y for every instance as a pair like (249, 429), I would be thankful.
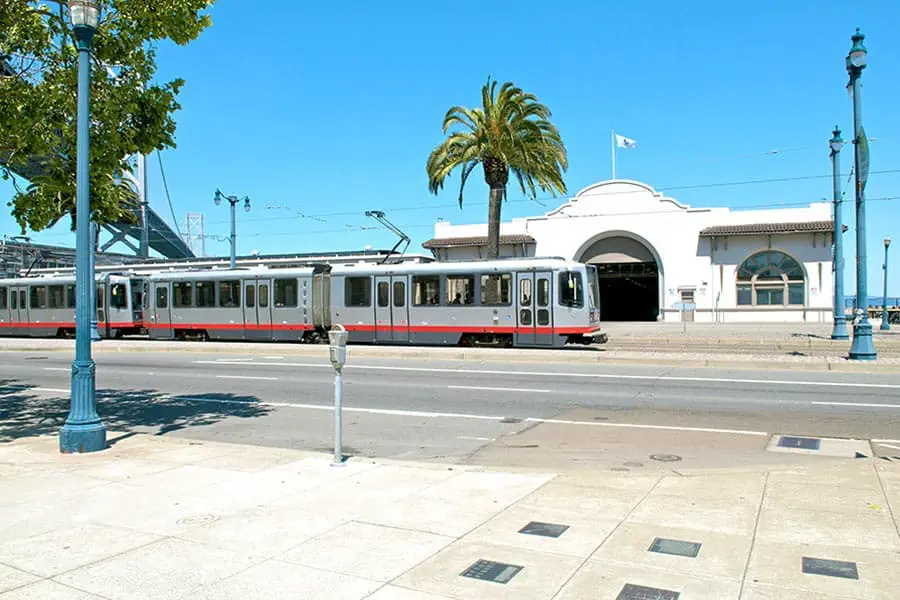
(593, 287)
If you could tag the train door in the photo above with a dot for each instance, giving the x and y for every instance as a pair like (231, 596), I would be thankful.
(391, 311)
(399, 310)
(102, 309)
(18, 312)
(161, 317)
(257, 309)
(384, 324)
(535, 325)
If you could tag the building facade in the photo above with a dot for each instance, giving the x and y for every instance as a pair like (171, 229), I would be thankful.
(661, 260)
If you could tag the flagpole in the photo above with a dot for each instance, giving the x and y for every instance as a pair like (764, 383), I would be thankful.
(613, 140)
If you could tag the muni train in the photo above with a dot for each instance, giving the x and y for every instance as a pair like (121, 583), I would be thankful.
(513, 302)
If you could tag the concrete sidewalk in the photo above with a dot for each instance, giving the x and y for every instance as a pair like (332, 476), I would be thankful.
(155, 517)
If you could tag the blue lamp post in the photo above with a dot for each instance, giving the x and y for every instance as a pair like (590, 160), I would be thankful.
(862, 347)
(95, 335)
(232, 200)
(840, 319)
(83, 430)
(885, 317)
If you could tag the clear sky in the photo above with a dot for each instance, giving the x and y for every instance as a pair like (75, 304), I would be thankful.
(323, 111)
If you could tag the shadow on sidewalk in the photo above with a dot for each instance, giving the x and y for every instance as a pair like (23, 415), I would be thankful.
(25, 413)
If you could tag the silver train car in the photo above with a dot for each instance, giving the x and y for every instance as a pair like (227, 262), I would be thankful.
(521, 302)
(45, 306)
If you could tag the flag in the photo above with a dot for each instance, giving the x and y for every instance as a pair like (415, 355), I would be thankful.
(624, 142)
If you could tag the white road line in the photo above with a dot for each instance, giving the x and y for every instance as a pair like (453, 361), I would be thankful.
(52, 390)
(889, 446)
(474, 438)
(273, 357)
(496, 389)
(67, 370)
(857, 404)
(246, 377)
(785, 382)
(640, 426)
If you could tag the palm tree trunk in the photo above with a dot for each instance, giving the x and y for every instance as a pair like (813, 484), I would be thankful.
(493, 242)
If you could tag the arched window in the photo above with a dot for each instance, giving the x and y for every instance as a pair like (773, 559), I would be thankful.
(770, 278)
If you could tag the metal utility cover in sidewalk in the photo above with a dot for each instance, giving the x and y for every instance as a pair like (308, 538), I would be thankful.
(831, 568)
(488, 570)
(675, 547)
(821, 446)
(639, 592)
(552, 530)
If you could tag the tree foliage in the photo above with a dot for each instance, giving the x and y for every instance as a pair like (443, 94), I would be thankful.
(510, 132)
(130, 113)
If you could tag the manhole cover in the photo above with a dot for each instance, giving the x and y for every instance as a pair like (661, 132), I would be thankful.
(799, 442)
(676, 547)
(640, 592)
(553, 530)
(488, 570)
(831, 568)
(195, 520)
(665, 457)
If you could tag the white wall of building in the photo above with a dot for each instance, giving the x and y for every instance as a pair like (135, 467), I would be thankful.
(671, 231)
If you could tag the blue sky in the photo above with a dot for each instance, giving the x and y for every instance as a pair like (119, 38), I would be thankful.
(332, 110)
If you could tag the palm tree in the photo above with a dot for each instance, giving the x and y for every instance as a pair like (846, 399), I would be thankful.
(510, 132)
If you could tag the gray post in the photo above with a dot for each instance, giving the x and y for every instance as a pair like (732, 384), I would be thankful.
(840, 319)
(337, 352)
(885, 316)
(233, 201)
(95, 335)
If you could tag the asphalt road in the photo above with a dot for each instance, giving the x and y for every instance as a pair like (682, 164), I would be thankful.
(461, 411)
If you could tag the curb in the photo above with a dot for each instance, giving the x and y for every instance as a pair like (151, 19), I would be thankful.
(579, 356)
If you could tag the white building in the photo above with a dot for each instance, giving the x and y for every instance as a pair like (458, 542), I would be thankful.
(659, 259)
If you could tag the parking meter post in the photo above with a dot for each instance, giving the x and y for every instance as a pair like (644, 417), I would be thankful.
(337, 352)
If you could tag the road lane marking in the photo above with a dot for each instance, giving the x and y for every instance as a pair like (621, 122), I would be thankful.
(496, 389)
(474, 438)
(246, 377)
(51, 390)
(888, 446)
(273, 357)
(641, 426)
(856, 404)
(673, 378)
(67, 370)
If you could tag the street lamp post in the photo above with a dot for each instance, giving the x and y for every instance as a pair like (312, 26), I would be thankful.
(840, 319)
(862, 347)
(95, 335)
(885, 317)
(233, 200)
(83, 431)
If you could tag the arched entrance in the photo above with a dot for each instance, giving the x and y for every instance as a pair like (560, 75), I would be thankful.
(630, 276)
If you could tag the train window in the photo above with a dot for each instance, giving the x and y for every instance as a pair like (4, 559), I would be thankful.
(70, 296)
(38, 296)
(206, 294)
(118, 296)
(99, 296)
(525, 316)
(230, 294)
(399, 294)
(426, 290)
(182, 294)
(460, 289)
(21, 299)
(3, 298)
(543, 292)
(383, 293)
(571, 291)
(495, 289)
(543, 316)
(286, 292)
(56, 295)
(162, 297)
(358, 291)
(525, 293)
(250, 296)
(264, 295)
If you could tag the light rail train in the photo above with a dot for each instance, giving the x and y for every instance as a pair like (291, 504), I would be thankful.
(516, 302)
